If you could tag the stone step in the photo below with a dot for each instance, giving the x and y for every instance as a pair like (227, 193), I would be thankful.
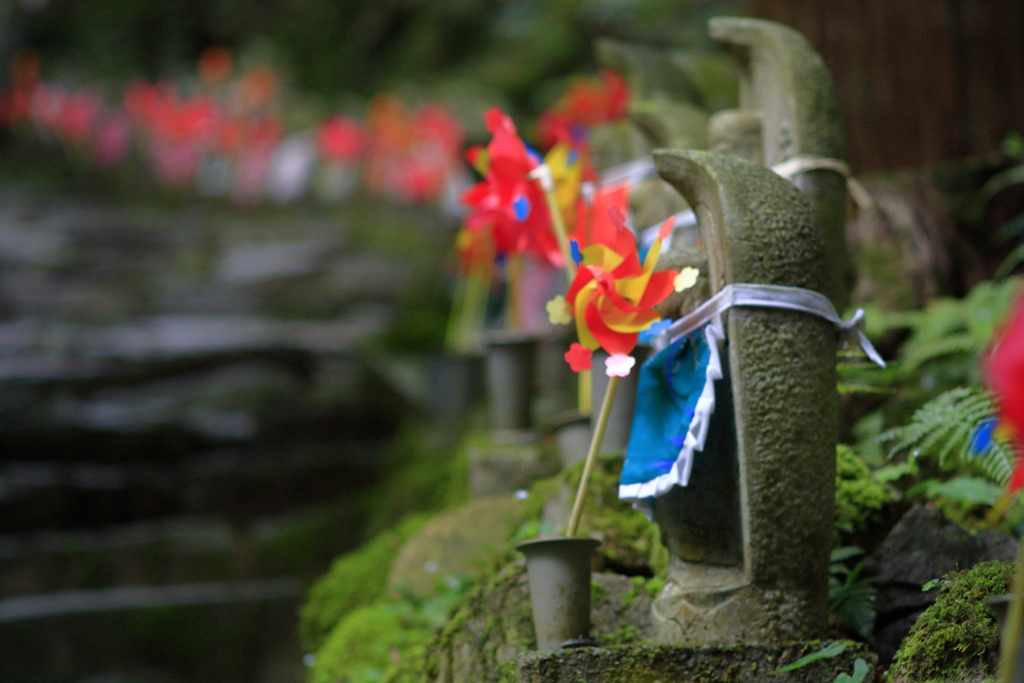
(230, 632)
(66, 603)
(75, 258)
(179, 549)
(39, 349)
(239, 484)
(167, 410)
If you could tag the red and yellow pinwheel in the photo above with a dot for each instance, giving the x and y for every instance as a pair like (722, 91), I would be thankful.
(613, 295)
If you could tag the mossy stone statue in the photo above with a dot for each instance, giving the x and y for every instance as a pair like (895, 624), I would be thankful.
(750, 536)
(788, 107)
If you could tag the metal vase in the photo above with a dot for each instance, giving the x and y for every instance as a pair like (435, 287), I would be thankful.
(510, 361)
(1000, 608)
(620, 420)
(559, 574)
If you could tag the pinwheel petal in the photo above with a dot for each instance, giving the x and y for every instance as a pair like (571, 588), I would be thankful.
(584, 276)
(660, 285)
(628, 323)
(611, 341)
(580, 307)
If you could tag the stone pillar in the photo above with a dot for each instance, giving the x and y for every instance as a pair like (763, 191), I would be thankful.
(750, 536)
(786, 88)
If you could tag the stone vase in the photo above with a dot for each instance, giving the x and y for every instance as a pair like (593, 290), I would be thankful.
(559, 573)
(510, 359)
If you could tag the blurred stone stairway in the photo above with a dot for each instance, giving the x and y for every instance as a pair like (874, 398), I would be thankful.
(189, 423)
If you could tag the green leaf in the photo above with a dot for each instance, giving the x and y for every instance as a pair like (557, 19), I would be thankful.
(855, 388)
(845, 553)
(833, 650)
(974, 490)
(860, 671)
(893, 472)
(1013, 259)
(1000, 181)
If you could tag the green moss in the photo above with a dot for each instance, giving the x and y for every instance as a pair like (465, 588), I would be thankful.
(383, 641)
(956, 638)
(429, 477)
(627, 634)
(641, 586)
(509, 624)
(508, 673)
(310, 538)
(353, 580)
(858, 494)
(370, 644)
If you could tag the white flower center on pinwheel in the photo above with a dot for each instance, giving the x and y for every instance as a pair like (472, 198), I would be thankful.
(687, 278)
(619, 365)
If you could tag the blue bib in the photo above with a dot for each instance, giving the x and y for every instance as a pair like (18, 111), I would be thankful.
(674, 402)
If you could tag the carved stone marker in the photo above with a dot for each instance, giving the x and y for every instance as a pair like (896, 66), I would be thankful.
(750, 535)
(788, 107)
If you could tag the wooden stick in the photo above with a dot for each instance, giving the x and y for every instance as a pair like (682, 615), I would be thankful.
(595, 446)
(558, 225)
(542, 174)
(1008, 650)
(583, 389)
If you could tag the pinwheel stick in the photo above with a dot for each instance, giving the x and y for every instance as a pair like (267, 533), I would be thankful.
(1008, 650)
(542, 174)
(595, 446)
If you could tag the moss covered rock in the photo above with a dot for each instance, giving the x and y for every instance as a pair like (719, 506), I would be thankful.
(354, 580)
(455, 543)
(957, 638)
(507, 464)
(670, 664)
(372, 643)
(493, 625)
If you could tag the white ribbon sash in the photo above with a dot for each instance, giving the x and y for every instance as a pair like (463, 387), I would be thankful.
(770, 296)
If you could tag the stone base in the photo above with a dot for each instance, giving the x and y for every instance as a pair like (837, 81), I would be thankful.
(720, 606)
(504, 461)
(669, 664)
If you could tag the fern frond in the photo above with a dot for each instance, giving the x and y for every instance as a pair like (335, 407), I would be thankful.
(943, 428)
(996, 463)
(957, 326)
(926, 420)
(924, 352)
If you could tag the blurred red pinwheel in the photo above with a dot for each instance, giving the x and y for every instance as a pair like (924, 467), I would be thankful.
(506, 201)
(341, 140)
(1005, 372)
